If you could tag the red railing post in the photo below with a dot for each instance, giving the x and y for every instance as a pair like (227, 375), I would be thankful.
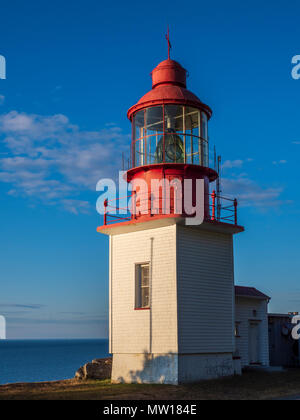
(213, 217)
(134, 204)
(235, 211)
(105, 211)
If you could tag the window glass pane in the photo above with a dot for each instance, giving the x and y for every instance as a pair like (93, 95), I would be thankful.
(152, 146)
(154, 120)
(196, 143)
(139, 152)
(148, 129)
(139, 124)
(205, 153)
(145, 275)
(171, 146)
(174, 118)
(192, 118)
(145, 297)
(204, 125)
(188, 148)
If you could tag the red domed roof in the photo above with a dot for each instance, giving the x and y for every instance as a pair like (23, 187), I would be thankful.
(169, 87)
(169, 71)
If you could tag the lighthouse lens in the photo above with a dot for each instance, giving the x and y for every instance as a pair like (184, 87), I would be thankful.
(174, 150)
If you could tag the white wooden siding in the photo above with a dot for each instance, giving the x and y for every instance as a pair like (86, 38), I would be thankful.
(144, 331)
(205, 291)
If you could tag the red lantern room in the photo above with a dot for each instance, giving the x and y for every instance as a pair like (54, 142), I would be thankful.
(170, 131)
(170, 142)
(169, 123)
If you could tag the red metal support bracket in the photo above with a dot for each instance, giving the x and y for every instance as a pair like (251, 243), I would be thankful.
(105, 211)
(235, 211)
(213, 217)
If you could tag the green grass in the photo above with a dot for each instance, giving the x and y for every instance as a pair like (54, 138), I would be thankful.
(252, 385)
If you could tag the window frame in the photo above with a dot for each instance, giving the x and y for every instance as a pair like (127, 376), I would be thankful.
(139, 287)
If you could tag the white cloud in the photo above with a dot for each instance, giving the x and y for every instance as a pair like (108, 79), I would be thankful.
(52, 159)
(250, 194)
(228, 164)
(279, 162)
(76, 206)
(2, 99)
(14, 122)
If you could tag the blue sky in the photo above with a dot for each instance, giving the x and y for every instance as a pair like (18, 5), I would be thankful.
(73, 70)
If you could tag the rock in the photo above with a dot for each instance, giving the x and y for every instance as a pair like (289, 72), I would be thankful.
(98, 369)
(80, 373)
(107, 361)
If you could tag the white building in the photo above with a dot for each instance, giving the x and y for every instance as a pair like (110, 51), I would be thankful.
(251, 326)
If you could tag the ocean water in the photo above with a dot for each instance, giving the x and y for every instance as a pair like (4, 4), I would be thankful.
(46, 360)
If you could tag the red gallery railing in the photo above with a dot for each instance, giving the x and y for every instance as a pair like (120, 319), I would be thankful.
(222, 209)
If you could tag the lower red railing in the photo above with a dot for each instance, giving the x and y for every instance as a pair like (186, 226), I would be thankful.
(218, 211)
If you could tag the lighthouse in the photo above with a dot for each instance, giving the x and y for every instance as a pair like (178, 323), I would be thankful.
(171, 276)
